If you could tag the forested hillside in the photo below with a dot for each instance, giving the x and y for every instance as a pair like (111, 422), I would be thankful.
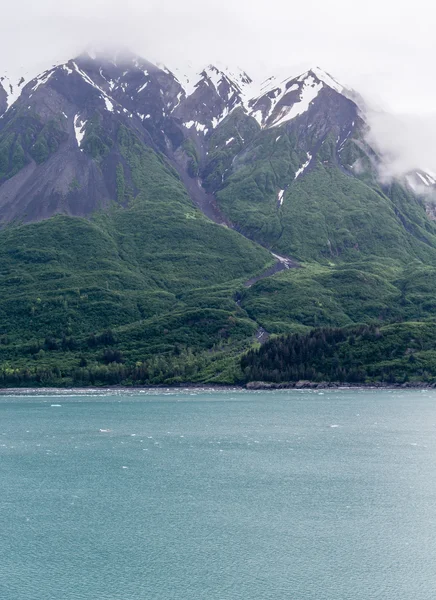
(155, 232)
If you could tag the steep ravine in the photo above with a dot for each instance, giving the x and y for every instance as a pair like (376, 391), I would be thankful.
(209, 207)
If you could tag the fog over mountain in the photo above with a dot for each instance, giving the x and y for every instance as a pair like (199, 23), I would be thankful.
(375, 51)
(404, 140)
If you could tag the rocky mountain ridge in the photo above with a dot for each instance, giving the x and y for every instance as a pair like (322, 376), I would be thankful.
(58, 131)
(77, 106)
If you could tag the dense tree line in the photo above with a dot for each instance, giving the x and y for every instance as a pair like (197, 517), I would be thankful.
(180, 367)
(354, 355)
(395, 353)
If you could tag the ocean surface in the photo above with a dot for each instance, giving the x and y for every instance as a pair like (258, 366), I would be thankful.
(218, 495)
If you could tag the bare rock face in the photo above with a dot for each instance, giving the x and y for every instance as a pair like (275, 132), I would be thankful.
(60, 139)
(3, 98)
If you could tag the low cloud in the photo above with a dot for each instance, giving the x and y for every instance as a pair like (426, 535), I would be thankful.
(381, 54)
(405, 142)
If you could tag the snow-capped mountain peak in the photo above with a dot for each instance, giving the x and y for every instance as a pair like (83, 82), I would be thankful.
(325, 78)
(421, 182)
(228, 82)
(188, 77)
(282, 101)
(215, 74)
(10, 89)
(78, 107)
(211, 94)
(199, 97)
(237, 76)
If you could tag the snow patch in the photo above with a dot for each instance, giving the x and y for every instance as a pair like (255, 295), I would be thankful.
(188, 78)
(304, 166)
(142, 87)
(426, 178)
(258, 115)
(217, 120)
(272, 90)
(42, 79)
(180, 95)
(238, 82)
(214, 75)
(423, 179)
(108, 102)
(229, 141)
(198, 126)
(79, 130)
(12, 87)
(420, 182)
(280, 196)
(163, 68)
(309, 91)
(285, 261)
(328, 80)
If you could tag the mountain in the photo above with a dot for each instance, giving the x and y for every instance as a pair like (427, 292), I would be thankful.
(156, 224)
(10, 89)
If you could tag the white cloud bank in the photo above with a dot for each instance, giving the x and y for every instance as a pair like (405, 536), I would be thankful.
(383, 49)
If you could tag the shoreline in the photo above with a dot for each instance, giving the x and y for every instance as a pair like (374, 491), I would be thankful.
(251, 386)
(332, 385)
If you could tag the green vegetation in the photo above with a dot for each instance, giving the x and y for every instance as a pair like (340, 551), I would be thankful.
(97, 142)
(192, 155)
(396, 353)
(158, 275)
(47, 141)
(121, 183)
(327, 215)
(12, 156)
(249, 194)
(150, 291)
(24, 137)
(361, 292)
(233, 133)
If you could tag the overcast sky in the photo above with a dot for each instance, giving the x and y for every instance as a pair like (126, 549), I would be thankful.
(385, 50)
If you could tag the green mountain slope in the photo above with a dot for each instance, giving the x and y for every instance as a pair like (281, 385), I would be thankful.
(157, 273)
(327, 213)
(111, 272)
(363, 292)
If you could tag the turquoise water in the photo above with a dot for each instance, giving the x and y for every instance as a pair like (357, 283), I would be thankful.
(218, 496)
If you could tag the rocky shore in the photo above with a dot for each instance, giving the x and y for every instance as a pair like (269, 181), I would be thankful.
(313, 385)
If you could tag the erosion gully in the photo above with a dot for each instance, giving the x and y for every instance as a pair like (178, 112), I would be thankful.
(209, 207)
